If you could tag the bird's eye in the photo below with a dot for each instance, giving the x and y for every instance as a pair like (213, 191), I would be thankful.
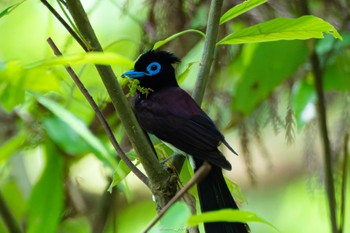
(153, 68)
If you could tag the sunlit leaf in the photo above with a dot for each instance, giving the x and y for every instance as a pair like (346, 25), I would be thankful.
(226, 215)
(11, 85)
(41, 80)
(120, 173)
(182, 77)
(100, 58)
(97, 147)
(170, 38)
(8, 148)
(174, 220)
(236, 192)
(45, 204)
(240, 9)
(305, 27)
(9, 9)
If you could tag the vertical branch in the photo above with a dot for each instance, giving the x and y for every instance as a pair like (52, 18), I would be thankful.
(209, 50)
(322, 117)
(344, 181)
(162, 187)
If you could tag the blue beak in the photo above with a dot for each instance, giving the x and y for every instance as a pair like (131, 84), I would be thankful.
(134, 74)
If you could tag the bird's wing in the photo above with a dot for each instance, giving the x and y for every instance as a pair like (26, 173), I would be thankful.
(184, 125)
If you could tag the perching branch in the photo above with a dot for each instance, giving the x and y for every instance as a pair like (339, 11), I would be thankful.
(209, 50)
(100, 116)
(8, 218)
(161, 183)
(197, 177)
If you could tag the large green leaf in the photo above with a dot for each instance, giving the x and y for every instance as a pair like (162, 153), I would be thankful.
(226, 215)
(336, 74)
(45, 204)
(305, 27)
(240, 9)
(97, 147)
(67, 138)
(267, 65)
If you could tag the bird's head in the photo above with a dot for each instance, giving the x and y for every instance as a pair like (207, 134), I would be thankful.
(154, 70)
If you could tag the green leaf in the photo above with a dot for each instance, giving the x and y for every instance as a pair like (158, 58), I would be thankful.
(305, 27)
(240, 9)
(9, 9)
(182, 77)
(261, 76)
(67, 138)
(12, 85)
(226, 215)
(45, 204)
(78, 224)
(303, 94)
(236, 192)
(100, 58)
(336, 75)
(97, 147)
(170, 38)
(174, 220)
(8, 148)
(119, 174)
(41, 80)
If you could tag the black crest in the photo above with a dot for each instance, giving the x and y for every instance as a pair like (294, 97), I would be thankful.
(154, 55)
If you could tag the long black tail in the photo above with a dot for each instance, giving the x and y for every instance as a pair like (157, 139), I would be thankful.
(214, 195)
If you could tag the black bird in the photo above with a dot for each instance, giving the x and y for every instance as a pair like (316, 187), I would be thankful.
(173, 116)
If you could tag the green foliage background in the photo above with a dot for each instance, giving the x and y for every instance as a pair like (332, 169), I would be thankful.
(56, 163)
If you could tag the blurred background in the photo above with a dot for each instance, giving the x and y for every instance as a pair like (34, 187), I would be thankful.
(56, 163)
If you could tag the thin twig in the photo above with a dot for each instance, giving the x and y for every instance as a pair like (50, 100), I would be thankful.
(66, 25)
(322, 122)
(209, 50)
(322, 117)
(8, 218)
(100, 116)
(197, 177)
(343, 184)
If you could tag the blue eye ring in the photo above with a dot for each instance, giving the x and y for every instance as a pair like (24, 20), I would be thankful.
(153, 68)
